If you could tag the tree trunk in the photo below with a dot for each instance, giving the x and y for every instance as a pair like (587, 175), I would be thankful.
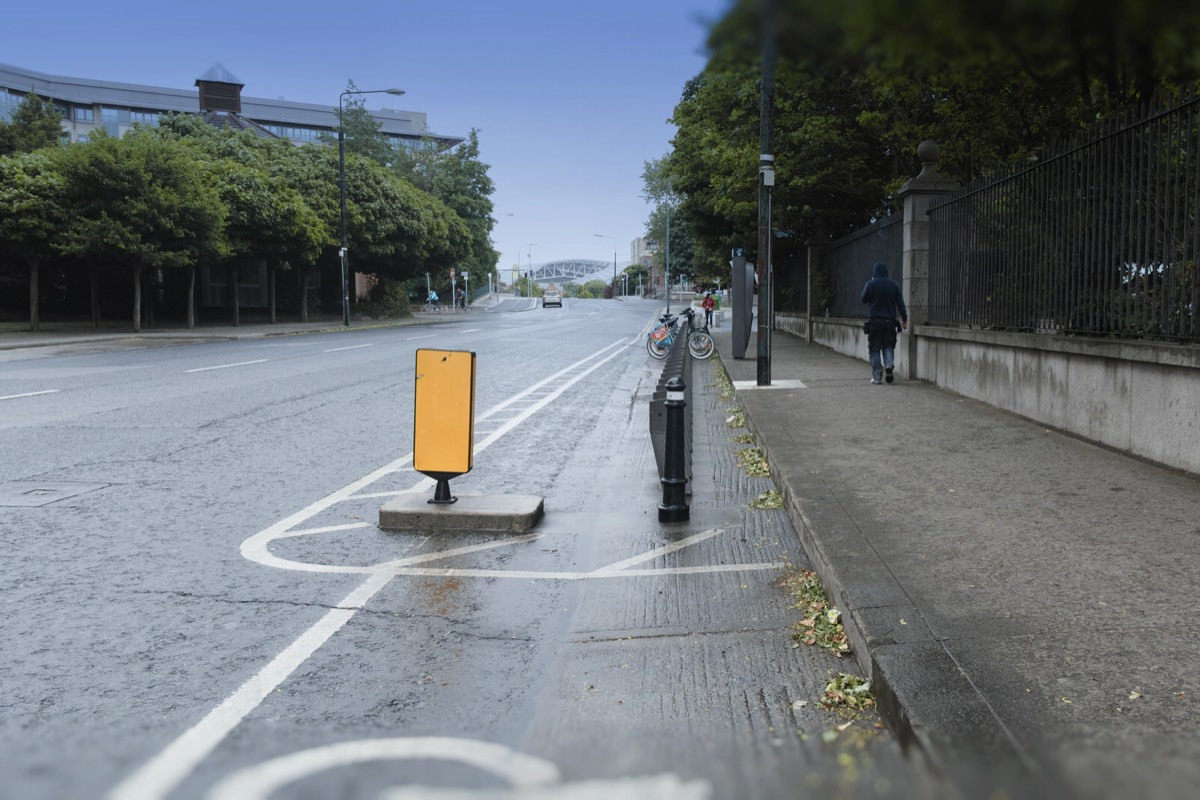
(271, 294)
(150, 297)
(137, 300)
(191, 299)
(35, 321)
(302, 274)
(94, 280)
(234, 319)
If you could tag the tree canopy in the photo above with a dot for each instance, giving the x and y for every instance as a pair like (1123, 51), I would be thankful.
(36, 123)
(860, 84)
(185, 194)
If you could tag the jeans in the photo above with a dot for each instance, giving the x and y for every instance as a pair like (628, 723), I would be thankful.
(877, 364)
(881, 344)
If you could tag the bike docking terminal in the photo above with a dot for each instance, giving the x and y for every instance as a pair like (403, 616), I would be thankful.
(444, 448)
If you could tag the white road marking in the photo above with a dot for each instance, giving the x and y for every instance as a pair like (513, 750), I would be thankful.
(664, 550)
(470, 330)
(29, 394)
(261, 781)
(351, 347)
(172, 765)
(227, 366)
(530, 777)
(414, 338)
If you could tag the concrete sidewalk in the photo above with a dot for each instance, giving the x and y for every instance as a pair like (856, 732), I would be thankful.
(1026, 603)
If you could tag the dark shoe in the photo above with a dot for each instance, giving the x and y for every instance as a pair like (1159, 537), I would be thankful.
(888, 376)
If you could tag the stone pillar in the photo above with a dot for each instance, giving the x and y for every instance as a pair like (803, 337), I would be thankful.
(918, 195)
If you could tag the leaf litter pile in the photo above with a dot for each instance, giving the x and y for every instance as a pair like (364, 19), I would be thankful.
(821, 624)
(767, 500)
(754, 461)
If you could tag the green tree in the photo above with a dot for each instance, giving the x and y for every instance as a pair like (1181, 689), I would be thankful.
(362, 132)
(36, 123)
(31, 214)
(460, 180)
(686, 258)
(139, 202)
(593, 289)
(267, 219)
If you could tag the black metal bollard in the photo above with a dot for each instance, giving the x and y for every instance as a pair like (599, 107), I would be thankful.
(673, 507)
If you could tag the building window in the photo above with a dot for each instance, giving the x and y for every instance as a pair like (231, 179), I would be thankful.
(113, 119)
(144, 118)
(85, 114)
(295, 134)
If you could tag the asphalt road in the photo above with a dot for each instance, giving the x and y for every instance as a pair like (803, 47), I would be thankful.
(198, 603)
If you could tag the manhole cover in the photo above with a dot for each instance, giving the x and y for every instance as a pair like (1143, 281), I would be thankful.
(38, 493)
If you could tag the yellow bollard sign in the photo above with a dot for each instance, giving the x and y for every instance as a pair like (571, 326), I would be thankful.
(444, 417)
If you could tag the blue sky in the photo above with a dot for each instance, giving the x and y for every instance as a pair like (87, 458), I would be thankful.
(570, 98)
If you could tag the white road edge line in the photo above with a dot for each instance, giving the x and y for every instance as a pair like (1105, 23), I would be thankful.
(30, 394)
(351, 347)
(227, 366)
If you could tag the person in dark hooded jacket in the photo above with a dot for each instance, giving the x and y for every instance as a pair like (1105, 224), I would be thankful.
(886, 316)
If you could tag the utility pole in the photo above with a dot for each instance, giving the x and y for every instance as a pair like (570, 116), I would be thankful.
(766, 170)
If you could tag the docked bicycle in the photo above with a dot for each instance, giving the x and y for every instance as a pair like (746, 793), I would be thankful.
(699, 341)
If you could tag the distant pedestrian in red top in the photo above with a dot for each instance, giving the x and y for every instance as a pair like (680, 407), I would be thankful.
(707, 304)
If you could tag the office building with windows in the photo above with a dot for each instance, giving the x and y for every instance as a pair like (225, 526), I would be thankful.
(87, 104)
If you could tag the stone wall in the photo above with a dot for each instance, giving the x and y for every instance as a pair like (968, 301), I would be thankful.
(1135, 397)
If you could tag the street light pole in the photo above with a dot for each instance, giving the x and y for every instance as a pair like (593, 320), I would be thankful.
(342, 251)
(667, 261)
(614, 282)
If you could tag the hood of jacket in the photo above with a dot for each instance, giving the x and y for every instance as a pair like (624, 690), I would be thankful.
(879, 270)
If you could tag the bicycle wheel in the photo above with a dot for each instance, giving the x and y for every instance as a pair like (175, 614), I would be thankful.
(701, 345)
(657, 350)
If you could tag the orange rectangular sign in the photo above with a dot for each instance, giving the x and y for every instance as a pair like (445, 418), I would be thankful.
(444, 412)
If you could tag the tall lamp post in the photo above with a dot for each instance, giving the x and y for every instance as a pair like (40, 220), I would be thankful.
(342, 189)
(606, 236)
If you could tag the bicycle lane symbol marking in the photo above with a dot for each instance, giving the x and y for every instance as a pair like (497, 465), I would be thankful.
(531, 778)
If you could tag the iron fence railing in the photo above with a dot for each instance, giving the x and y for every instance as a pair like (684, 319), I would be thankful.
(1101, 239)
(845, 265)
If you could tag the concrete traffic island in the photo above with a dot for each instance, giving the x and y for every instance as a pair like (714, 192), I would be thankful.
(484, 513)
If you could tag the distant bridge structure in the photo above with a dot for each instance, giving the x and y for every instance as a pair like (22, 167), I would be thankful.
(576, 270)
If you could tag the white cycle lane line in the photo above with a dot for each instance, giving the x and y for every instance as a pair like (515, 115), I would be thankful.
(158, 777)
(29, 394)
